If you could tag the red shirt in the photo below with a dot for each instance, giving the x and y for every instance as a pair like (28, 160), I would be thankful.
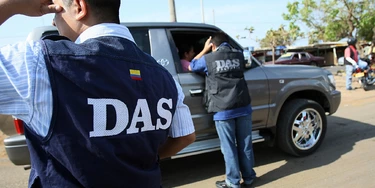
(348, 53)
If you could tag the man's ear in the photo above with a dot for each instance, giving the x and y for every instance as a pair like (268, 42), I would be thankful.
(80, 7)
(213, 47)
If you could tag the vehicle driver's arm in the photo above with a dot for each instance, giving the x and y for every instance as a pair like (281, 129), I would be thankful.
(181, 132)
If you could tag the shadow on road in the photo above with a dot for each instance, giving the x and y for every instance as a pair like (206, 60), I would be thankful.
(342, 135)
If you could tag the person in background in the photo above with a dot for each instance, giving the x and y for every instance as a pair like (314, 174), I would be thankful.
(107, 130)
(186, 53)
(372, 58)
(351, 61)
(229, 99)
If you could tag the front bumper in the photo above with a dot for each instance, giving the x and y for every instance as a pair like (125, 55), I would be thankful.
(17, 150)
(335, 101)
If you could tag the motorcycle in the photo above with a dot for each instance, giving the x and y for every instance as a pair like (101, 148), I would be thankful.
(366, 76)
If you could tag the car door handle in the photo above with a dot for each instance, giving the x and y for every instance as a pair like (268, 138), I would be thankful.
(196, 92)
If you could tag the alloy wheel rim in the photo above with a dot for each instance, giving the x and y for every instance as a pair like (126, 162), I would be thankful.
(307, 129)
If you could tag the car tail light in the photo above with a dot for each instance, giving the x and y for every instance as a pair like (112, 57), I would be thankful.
(19, 126)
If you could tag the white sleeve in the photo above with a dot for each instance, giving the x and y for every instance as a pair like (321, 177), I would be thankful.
(351, 61)
(182, 123)
(18, 64)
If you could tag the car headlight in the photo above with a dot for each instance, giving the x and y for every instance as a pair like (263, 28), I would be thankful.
(332, 80)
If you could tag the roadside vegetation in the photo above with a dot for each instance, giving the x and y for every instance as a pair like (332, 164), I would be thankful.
(324, 20)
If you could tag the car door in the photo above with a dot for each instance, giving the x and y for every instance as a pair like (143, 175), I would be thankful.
(295, 60)
(193, 84)
(258, 86)
(305, 60)
(158, 42)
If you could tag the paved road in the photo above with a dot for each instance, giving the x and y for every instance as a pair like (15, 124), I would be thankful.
(334, 69)
(345, 159)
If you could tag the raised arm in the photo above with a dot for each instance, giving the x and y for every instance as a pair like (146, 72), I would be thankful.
(9, 8)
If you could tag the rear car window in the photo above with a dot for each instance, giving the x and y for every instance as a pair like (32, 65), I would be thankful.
(141, 37)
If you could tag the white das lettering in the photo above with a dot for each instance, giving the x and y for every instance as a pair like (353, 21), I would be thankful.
(122, 116)
(226, 65)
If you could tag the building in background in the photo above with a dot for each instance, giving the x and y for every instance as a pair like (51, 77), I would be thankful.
(331, 51)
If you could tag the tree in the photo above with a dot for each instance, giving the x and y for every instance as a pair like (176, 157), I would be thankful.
(271, 40)
(332, 20)
(251, 31)
(280, 37)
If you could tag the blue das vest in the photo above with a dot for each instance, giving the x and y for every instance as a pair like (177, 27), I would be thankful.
(112, 109)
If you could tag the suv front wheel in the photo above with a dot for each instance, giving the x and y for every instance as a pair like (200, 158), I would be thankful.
(301, 127)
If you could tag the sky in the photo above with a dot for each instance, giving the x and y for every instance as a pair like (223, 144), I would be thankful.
(231, 16)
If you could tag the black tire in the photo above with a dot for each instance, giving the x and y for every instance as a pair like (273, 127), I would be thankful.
(314, 64)
(365, 86)
(287, 129)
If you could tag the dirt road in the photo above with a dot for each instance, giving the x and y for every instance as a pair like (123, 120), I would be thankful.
(345, 159)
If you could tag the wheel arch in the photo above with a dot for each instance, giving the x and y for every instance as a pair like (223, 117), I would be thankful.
(310, 94)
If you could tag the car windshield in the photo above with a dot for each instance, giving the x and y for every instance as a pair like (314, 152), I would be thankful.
(285, 57)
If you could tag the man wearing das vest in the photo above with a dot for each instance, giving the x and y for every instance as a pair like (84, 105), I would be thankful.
(227, 96)
(99, 112)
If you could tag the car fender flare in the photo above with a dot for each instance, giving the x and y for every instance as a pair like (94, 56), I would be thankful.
(291, 88)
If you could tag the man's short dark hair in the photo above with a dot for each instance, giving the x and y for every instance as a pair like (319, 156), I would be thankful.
(105, 10)
(219, 37)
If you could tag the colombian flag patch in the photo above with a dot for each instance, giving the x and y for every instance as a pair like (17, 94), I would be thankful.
(135, 74)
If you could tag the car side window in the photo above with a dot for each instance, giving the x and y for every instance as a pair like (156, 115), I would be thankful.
(190, 42)
(141, 38)
(252, 63)
(303, 56)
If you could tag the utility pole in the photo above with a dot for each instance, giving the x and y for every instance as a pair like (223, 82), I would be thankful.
(213, 15)
(172, 11)
(202, 11)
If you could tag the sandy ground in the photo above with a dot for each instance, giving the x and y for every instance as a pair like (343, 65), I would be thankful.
(6, 129)
(2, 149)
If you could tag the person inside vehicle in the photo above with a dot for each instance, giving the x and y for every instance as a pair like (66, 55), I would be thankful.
(229, 99)
(186, 53)
(85, 99)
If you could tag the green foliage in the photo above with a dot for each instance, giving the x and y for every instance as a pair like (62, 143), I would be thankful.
(335, 31)
(366, 26)
(331, 20)
(250, 29)
(281, 36)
